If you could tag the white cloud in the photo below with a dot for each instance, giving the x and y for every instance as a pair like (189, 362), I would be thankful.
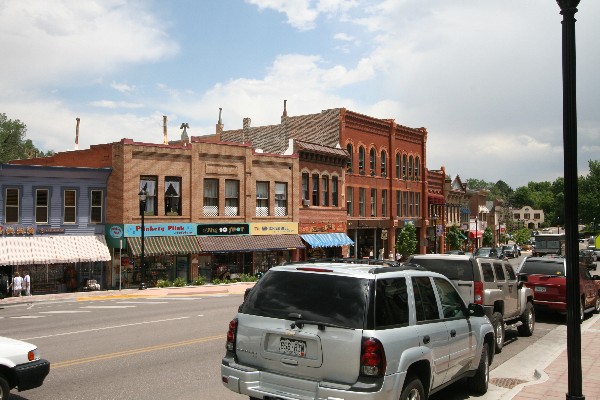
(122, 87)
(115, 104)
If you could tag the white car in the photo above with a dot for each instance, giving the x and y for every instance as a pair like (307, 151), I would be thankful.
(20, 366)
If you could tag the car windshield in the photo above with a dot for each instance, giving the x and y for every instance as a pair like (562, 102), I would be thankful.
(549, 267)
(456, 270)
(507, 247)
(483, 251)
(319, 297)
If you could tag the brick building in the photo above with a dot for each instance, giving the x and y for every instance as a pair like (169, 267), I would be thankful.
(385, 180)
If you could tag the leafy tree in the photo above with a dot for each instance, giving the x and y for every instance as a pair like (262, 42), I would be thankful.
(13, 145)
(521, 236)
(488, 237)
(406, 243)
(454, 238)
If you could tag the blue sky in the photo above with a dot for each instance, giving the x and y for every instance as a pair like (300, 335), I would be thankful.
(484, 77)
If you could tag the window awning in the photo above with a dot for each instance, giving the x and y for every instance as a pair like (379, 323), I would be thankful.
(463, 237)
(327, 239)
(223, 244)
(52, 249)
(158, 245)
(472, 234)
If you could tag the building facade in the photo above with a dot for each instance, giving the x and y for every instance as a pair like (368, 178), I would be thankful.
(527, 217)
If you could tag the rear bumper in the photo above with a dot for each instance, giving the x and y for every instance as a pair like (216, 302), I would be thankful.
(265, 385)
(31, 375)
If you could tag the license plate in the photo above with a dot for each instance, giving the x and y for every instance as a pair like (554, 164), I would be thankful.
(540, 289)
(293, 347)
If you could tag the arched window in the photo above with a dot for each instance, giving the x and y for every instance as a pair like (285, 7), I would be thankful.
(372, 161)
(361, 159)
(350, 151)
(410, 167)
(383, 163)
(417, 169)
(404, 165)
(398, 166)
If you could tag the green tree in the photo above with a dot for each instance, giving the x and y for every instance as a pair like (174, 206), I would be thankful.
(13, 145)
(488, 237)
(454, 238)
(521, 236)
(406, 243)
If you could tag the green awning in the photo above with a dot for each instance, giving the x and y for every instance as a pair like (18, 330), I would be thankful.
(158, 245)
(463, 237)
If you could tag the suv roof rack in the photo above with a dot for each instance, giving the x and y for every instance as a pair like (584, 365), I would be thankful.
(397, 268)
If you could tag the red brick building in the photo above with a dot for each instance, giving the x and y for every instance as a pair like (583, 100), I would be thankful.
(385, 180)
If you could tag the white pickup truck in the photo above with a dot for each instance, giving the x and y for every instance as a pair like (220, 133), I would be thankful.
(20, 366)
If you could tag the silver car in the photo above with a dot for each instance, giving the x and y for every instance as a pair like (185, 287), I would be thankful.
(342, 331)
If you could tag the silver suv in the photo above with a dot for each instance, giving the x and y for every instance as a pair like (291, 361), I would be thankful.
(344, 331)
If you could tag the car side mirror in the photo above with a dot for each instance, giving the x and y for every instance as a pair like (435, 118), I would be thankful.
(476, 310)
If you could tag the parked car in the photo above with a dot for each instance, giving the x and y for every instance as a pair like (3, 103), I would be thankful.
(596, 252)
(494, 252)
(510, 250)
(455, 252)
(20, 366)
(352, 331)
(491, 283)
(546, 276)
(587, 259)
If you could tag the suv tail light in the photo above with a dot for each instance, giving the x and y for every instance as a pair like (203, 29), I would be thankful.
(231, 335)
(478, 295)
(372, 358)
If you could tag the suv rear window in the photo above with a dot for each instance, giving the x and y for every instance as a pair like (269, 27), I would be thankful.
(317, 297)
(455, 270)
(550, 267)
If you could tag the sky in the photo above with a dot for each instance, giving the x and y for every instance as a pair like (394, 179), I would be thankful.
(483, 76)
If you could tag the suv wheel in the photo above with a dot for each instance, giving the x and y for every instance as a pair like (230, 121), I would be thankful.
(479, 382)
(528, 320)
(4, 388)
(413, 390)
(498, 324)
(597, 308)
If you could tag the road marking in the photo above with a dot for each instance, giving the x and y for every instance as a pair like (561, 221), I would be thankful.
(27, 317)
(131, 352)
(178, 298)
(104, 328)
(63, 312)
(143, 302)
(109, 307)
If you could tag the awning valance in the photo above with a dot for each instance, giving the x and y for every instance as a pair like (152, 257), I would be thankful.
(436, 198)
(327, 239)
(222, 244)
(158, 245)
(472, 234)
(52, 249)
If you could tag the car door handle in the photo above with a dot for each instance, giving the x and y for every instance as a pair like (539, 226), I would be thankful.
(426, 339)
(452, 333)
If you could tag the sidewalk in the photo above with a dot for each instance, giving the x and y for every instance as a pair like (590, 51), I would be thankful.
(203, 290)
(538, 372)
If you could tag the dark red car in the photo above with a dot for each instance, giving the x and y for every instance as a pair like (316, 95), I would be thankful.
(546, 276)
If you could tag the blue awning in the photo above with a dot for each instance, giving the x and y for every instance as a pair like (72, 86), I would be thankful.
(327, 239)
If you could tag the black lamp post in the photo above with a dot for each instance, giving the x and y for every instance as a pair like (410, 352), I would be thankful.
(557, 224)
(143, 196)
(476, 234)
(435, 233)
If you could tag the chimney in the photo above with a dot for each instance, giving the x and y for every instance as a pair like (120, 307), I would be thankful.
(219, 127)
(184, 135)
(245, 128)
(284, 115)
(77, 134)
(165, 139)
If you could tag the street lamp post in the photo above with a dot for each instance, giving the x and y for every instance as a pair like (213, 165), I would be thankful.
(435, 233)
(476, 233)
(143, 196)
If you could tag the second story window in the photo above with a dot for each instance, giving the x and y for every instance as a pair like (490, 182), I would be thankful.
(361, 159)
(11, 206)
(281, 199)
(69, 206)
(305, 194)
(383, 163)
(373, 202)
(417, 204)
(41, 206)
(334, 191)
(350, 151)
(405, 204)
(172, 195)
(148, 184)
(262, 199)
(362, 194)
(404, 165)
(325, 191)
(315, 189)
(410, 167)
(398, 203)
(349, 200)
(417, 169)
(372, 161)
(211, 198)
(232, 198)
(398, 166)
(96, 206)
(384, 203)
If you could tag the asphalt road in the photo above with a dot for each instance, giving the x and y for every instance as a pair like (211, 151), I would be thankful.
(155, 348)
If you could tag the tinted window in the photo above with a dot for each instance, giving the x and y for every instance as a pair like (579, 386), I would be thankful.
(499, 271)
(456, 270)
(425, 301)
(452, 305)
(550, 267)
(391, 303)
(488, 274)
(317, 297)
(510, 272)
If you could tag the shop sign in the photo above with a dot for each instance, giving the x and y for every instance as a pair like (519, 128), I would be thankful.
(166, 229)
(332, 227)
(42, 231)
(384, 234)
(115, 231)
(222, 229)
(274, 228)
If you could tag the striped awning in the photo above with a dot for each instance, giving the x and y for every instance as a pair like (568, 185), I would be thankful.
(327, 239)
(158, 245)
(224, 244)
(52, 249)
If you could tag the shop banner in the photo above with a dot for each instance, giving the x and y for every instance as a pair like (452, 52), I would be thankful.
(223, 229)
(168, 229)
(323, 227)
(274, 228)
